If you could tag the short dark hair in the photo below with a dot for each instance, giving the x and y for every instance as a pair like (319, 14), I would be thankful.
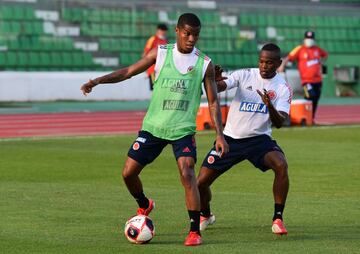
(162, 26)
(189, 19)
(272, 47)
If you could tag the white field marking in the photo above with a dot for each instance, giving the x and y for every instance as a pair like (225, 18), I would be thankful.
(300, 128)
(325, 127)
(207, 132)
(39, 138)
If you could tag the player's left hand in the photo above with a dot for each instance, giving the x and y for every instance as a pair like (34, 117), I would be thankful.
(265, 97)
(221, 146)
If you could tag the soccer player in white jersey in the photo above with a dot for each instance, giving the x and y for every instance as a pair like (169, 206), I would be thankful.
(262, 99)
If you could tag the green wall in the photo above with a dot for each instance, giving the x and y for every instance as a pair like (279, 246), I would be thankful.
(337, 59)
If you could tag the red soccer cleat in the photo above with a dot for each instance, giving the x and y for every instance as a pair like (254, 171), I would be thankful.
(193, 239)
(278, 227)
(146, 211)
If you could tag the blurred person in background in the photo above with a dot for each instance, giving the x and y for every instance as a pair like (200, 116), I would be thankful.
(310, 58)
(160, 38)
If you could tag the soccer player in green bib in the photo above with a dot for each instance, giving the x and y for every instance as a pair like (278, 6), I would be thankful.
(180, 69)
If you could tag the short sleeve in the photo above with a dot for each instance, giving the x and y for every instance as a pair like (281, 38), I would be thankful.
(294, 54)
(284, 100)
(323, 53)
(235, 79)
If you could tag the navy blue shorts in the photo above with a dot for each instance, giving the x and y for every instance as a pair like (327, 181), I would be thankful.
(252, 149)
(146, 148)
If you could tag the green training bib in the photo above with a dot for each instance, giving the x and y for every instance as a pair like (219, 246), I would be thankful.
(175, 100)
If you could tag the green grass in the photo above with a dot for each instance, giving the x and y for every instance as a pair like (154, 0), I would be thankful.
(67, 196)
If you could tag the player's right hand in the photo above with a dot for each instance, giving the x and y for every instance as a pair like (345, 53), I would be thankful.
(218, 73)
(87, 87)
(221, 146)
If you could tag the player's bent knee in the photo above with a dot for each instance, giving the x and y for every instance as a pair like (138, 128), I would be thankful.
(187, 176)
(128, 173)
(281, 167)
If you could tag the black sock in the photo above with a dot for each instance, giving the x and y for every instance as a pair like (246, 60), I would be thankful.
(278, 211)
(142, 201)
(205, 212)
(194, 221)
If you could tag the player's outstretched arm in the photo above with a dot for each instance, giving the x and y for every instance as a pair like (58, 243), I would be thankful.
(214, 107)
(277, 117)
(122, 74)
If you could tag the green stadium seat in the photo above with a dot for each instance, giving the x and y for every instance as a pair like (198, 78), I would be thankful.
(2, 59)
(262, 20)
(105, 44)
(88, 60)
(14, 44)
(78, 60)
(270, 20)
(124, 15)
(25, 43)
(45, 59)
(6, 12)
(261, 33)
(279, 21)
(106, 16)
(78, 14)
(56, 60)
(18, 13)
(22, 59)
(34, 59)
(67, 60)
(94, 15)
(229, 60)
(29, 13)
(126, 59)
(11, 59)
(152, 17)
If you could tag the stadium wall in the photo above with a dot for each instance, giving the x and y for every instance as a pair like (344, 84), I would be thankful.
(51, 86)
(47, 86)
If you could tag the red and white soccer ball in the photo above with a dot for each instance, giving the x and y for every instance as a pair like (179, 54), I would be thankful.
(139, 229)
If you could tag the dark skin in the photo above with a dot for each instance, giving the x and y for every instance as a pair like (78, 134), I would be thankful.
(268, 63)
(186, 38)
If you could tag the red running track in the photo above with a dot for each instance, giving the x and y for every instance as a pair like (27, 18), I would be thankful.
(338, 114)
(100, 123)
(70, 124)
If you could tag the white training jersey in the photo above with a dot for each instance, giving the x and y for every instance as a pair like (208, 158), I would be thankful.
(183, 62)
(248, 115)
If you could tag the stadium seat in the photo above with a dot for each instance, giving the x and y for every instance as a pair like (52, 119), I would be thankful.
(125, 30)
(34, 59)
(56, 59)
(11, 59)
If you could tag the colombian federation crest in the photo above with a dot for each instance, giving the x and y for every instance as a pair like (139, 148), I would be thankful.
(272, 94)
(211, 159)
(136, 146)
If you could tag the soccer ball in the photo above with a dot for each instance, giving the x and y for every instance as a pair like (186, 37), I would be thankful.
(139, 229)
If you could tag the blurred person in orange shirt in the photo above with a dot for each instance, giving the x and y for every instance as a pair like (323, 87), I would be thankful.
(160, 38)
(310, 58)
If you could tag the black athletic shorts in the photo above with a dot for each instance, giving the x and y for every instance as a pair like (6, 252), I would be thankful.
(146, 148)
(252, 149)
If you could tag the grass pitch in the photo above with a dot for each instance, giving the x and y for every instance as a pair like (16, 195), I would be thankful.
(66, 195)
